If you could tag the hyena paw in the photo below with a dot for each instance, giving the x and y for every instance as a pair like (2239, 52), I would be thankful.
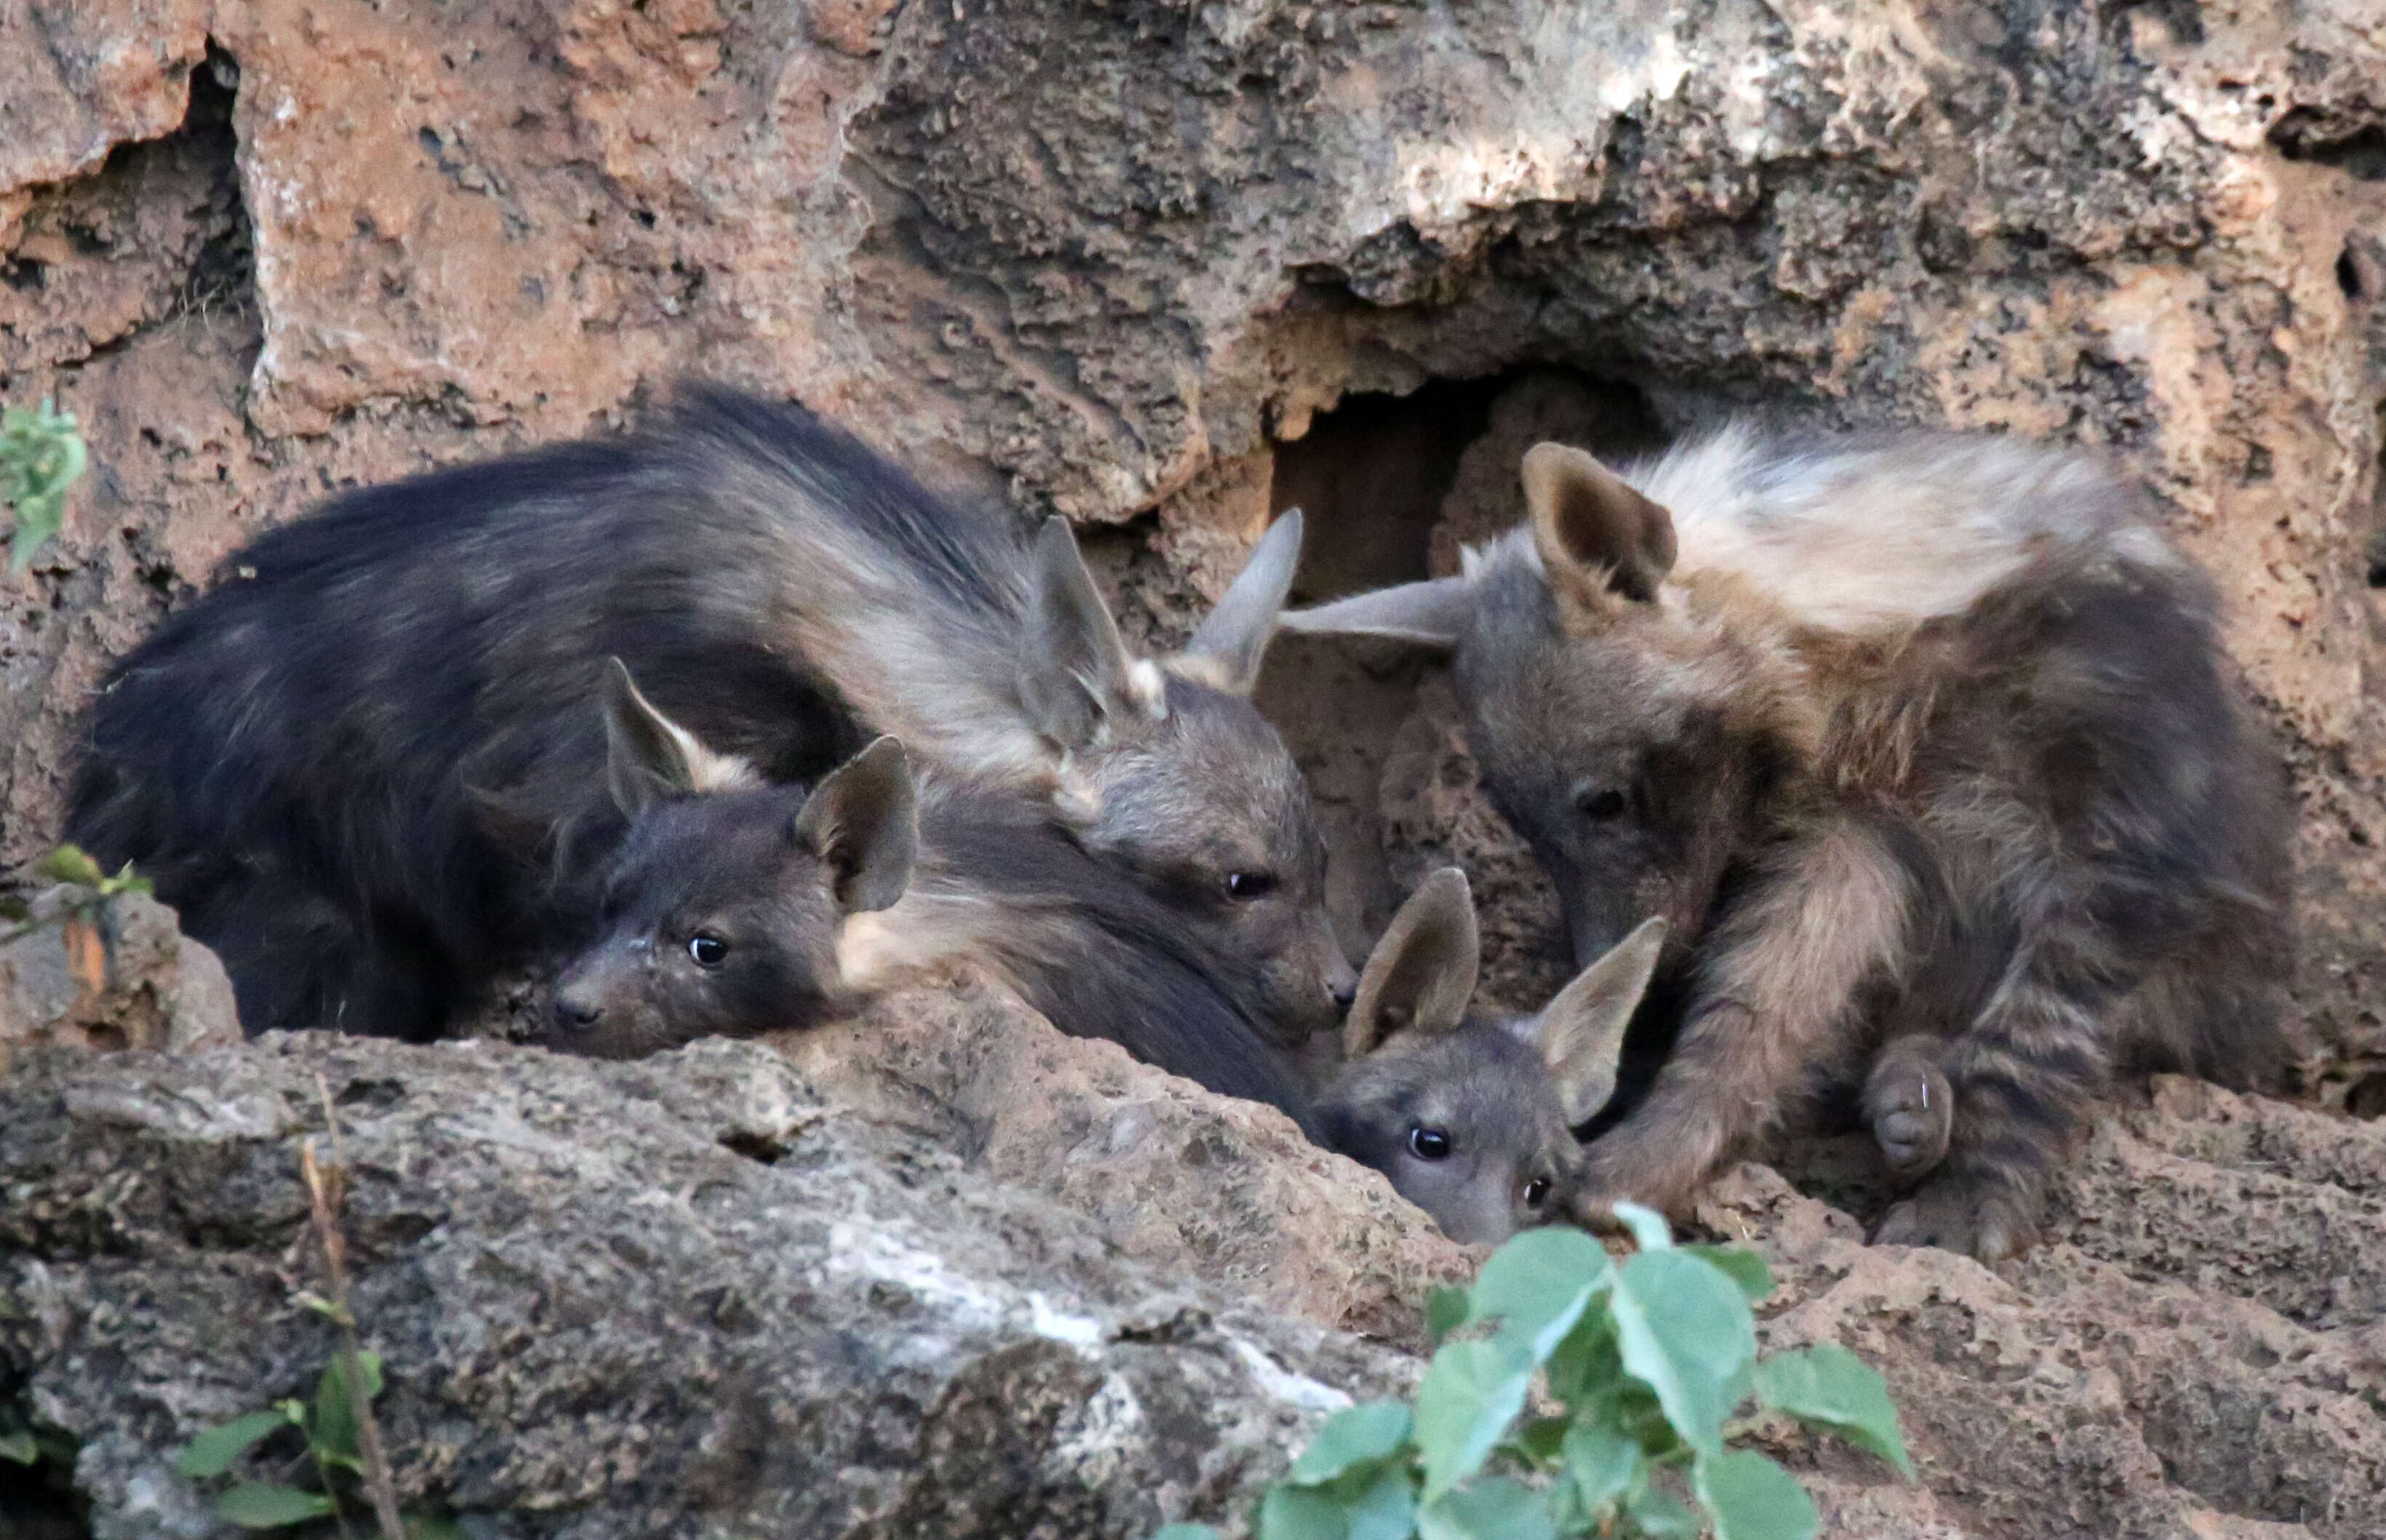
(1987, 1224)
(1911, 1108)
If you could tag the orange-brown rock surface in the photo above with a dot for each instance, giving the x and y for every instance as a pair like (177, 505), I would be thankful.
(1164, 268)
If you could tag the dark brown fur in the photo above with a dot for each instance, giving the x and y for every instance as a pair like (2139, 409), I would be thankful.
(2033, 825)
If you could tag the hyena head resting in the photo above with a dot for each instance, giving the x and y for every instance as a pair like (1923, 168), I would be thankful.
(1167, 768)
(722, 904)
(1473, 1116)
(1630, 731)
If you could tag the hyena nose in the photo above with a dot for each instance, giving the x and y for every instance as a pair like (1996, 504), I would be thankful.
(1344, 991)
(579, 1015)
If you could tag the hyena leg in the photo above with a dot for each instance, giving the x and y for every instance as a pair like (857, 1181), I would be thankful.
(1909, 1106)
(1775, 997)
(2023, 1075)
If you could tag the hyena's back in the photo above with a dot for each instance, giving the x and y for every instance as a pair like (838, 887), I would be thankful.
(339, 764)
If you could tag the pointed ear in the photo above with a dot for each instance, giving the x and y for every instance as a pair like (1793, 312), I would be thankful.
(864, 821)
(1422, 972)
(1227, 649)
(1582, 1030)
(1432, 614)
(1595, 535)
(1074, 675)
(648, 756)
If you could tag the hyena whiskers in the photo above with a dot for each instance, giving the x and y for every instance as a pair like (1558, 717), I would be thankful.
(1904, 733)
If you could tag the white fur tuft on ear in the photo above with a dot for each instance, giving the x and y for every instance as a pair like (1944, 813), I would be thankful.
(648, 757)
(1421, 974)
(1232, 642)
(1581, 1031)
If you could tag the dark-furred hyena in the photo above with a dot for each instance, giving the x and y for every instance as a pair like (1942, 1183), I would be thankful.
(720, 911)
(718, 921)
(1906, 734)
(1472, 1115)
(361, 768)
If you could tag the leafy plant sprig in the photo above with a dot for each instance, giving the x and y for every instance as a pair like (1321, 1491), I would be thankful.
(1649, 1363)
(338, 1426)
(40, 455)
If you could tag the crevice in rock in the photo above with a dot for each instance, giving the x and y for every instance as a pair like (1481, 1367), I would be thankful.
(2360, 152)
(1391, 486)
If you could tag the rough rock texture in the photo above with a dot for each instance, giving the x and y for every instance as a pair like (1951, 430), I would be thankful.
(1115, 257)
(1194, 1185)
(1166, 268)
(680, 1298)
(82, 972)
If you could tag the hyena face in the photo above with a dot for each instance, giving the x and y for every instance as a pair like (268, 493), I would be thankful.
(1471, 1116)
(722, 908)
(1629, 739)
(1167, 768)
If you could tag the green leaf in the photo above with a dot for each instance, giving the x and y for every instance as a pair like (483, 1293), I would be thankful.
(1829, 1387)
(1743, 1266)
(19, 1448)
(1602, 1463)
(1303, 1513)
(1752, 1498)
(1358, 1436)
(1539, 1283)
(1663, 1516)
(1685, 1331)
(1470, 1395)
(1587, 1368)
(333, 1431)
(1445, 1311)
(1385, 1510)
(212, 1453)
(254, 1506)
(1176, 1531)
(1495, 1509)
(69, 863)
(1650, 1232)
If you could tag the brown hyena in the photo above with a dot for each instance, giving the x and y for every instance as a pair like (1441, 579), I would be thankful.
(1913, 738)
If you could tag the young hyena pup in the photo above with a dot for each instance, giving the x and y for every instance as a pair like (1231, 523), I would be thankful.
(360, 770)
(1472, 1116)
(721, 912)
(1908, 735)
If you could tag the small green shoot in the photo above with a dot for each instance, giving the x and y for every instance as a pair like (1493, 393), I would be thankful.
(41, 455)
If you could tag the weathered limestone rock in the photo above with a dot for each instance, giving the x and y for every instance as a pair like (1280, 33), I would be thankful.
(104, 975)
(1191, 1185)
(670, 1298)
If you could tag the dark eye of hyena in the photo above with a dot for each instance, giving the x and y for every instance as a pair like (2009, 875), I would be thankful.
(1248, 885)
(1600, 803)
(1429, 1144)
(1537, 1192)
(706, 949)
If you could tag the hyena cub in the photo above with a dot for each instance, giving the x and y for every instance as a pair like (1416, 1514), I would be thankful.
(1908, 736)
(1472, 1116)
(360, 768)
(721, 910)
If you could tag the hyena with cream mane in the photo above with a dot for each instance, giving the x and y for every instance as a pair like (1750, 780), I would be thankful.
(1917, 741)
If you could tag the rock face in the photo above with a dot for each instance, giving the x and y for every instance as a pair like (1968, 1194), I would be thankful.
(683, 1297)
(1166, 269)
(106, 974)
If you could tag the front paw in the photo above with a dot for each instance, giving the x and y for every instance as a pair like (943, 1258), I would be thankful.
(1953, 1214)
(1911, 1108)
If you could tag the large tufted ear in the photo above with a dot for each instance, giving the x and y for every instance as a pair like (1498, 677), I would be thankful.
(1075, 677)
(1422, 972)
(648, 757)
(864, 821)
(1595, 533)
(1432, 614)
(1229, 647)
(1581, 1031)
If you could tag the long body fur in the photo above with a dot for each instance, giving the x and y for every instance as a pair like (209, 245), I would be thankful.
(1908, 734)
(366, 768)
